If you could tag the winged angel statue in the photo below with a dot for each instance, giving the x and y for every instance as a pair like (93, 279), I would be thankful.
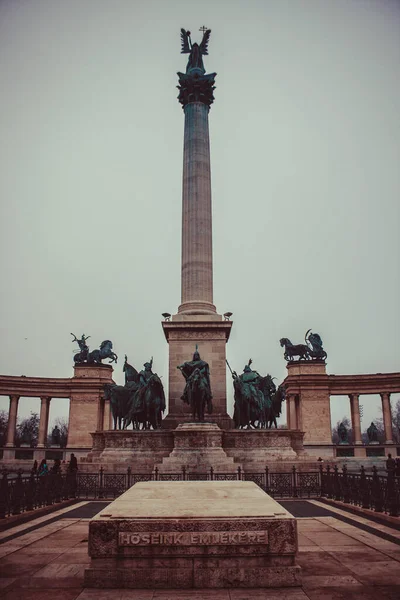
(195, 85)
(195, 51)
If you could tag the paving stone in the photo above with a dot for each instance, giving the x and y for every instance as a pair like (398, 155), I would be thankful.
(40, 594)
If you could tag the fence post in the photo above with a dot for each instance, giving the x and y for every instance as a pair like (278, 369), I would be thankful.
(128, 478)
(321, 479)
(294, 482)
(101, 489)
(392, 500)
(266, 480)
(377, 495)
(211, 474)
(364, 500)
(328, 482)
(239, 473)
(17, 493)
(155, 473)
(30, 492)
(345, 486)
(3, 495)
(183, 473)
(336, 484)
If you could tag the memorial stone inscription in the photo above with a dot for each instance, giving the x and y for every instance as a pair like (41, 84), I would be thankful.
(191, 538)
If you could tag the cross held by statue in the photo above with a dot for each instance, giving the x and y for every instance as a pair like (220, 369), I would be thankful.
(203, 29)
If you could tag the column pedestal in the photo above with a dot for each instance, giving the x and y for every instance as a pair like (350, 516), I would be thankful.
(86, 409)
(210, 333)
(308, 380)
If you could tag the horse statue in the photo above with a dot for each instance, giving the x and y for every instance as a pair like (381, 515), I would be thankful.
(292, 350)
(105, 351)
(120, 399)
(147, 405)
(316, 350)
(277, 399)
(198, 395)
(268, 388)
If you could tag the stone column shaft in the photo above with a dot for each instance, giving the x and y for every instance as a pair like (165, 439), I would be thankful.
(293, 414)
(44, 421)
(12, 421)
(289, 401)
(355, 418)
(197, 270)
(387, 417)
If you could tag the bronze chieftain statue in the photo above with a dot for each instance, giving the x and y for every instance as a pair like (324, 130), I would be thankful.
(140, 402)
(257, 401)
(197, 392)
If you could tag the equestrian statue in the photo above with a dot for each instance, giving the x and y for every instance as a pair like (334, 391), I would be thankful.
(197, 393)
(140, 402)
(257, 401)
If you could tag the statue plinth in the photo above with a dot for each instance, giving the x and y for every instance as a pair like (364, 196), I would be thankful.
(210, 333)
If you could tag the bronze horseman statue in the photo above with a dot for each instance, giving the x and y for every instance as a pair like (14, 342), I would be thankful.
(197, 392)
(257, 401)
(140, 402)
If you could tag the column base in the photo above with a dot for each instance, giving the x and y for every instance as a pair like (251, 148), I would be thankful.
(172, 420)
(197, 308)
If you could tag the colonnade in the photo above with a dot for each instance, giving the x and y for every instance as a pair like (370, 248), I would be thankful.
(293, 415)
(356, 420)
(43, 422)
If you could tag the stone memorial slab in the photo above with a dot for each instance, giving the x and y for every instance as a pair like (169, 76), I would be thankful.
(185, 534)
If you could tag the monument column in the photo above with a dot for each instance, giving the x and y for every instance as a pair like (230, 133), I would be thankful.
(44, 421)
(12, 421)
(197, 321)
(355, 418)
(387, 418)
(196, 274)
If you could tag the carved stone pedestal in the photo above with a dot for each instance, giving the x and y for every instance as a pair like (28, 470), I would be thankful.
(198, 447)
(88, 409)
(210, 333)
(203, 534)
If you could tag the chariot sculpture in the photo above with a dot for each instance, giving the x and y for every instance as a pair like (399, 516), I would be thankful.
(311, 350)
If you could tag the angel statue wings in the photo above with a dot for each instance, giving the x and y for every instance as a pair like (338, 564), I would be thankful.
(195, 51)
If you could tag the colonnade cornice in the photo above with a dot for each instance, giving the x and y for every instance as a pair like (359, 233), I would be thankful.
(343, 385)
(41, 387)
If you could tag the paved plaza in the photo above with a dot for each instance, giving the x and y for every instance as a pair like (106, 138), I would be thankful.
(342, 556)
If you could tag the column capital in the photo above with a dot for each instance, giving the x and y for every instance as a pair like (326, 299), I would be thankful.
(196, 87)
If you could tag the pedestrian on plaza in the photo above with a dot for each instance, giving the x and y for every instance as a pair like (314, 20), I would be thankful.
(43, 468)
(73, 463)
(56, 469)
(35, 468)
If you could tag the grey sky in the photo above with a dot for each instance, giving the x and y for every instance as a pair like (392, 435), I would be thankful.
(305, 147)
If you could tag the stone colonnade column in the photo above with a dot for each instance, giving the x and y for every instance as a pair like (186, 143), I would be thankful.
(44, 421)
(387, 417)
(293, 413)
(12, 421)
(289, 400)
(197, 268)
(355, 418)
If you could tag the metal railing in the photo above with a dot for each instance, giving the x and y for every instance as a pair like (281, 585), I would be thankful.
(377, 492)
(25, 493)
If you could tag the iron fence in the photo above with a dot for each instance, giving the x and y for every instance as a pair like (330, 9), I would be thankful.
(25, 493)
(377, 492)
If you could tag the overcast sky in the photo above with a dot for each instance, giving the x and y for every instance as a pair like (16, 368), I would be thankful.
(305, 147)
